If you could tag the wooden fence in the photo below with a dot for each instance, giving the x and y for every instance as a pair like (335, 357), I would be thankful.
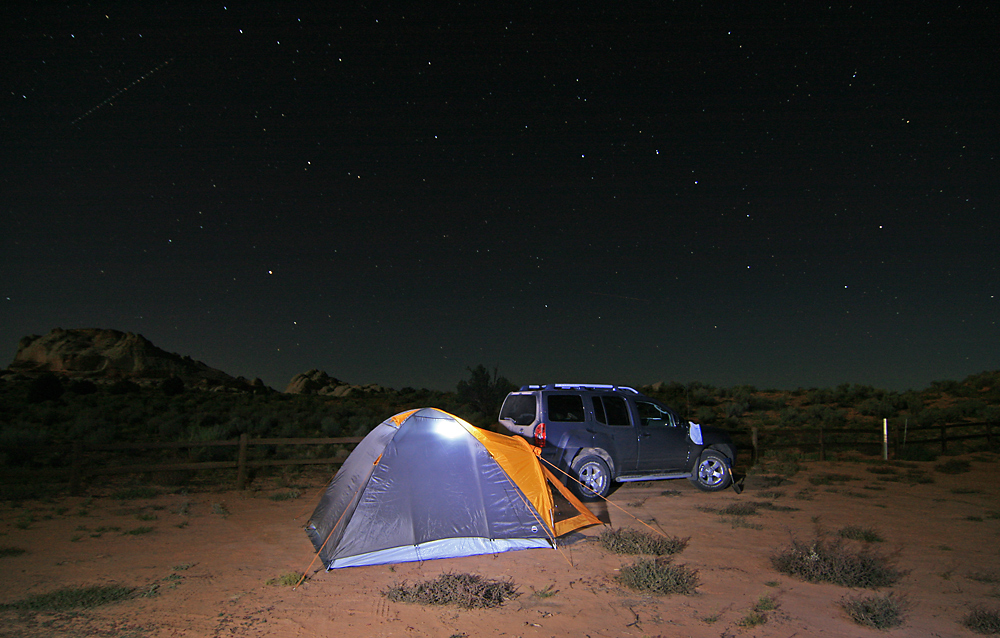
(896, 437)
(84, 461)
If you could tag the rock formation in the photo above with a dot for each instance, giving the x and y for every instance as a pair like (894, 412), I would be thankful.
(319, 382)
(111, 354)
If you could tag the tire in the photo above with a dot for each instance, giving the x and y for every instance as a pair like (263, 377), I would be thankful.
(592, 472)
(711, 473)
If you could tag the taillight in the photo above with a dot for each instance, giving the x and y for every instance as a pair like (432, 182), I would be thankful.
(540, 435)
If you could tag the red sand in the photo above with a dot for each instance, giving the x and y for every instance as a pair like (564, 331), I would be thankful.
(212, 568)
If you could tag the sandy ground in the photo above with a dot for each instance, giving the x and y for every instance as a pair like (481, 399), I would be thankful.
(211, 554)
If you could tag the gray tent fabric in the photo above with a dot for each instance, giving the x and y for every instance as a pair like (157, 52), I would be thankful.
(417, 488)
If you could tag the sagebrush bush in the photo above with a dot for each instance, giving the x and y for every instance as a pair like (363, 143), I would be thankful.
(875, 611)
(857, 533)
(658, 576)
(982, 620)
(468, 591)
(953, 466)
(832, 562)
(630, 541)
(74, 598)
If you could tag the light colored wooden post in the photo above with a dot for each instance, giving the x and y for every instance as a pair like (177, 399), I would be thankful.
(753, 444)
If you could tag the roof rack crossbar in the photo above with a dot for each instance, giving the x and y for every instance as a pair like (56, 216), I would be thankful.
(580, 386)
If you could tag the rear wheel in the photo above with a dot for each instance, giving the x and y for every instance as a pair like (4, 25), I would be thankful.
(711, 473)
(595, 476)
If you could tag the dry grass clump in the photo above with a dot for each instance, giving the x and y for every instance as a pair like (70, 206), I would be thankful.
(982, 620)
(630, 541)
(75, 598)
(758, 614)
(875, 611)
(953, 466)
(468, 591)
(830, 478)
(820, 561)
(658, 576)
(857, 533)
(288, 579)
(991, 576)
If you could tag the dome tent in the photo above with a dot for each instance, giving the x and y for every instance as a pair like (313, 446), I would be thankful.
(425, 484)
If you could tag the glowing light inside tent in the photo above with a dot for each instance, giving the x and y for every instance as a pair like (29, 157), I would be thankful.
(448, 429)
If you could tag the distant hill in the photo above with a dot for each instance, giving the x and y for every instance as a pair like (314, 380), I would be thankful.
(100, 354)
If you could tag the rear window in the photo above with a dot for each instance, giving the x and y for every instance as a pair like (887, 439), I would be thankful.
(565, 407)
(519, 408)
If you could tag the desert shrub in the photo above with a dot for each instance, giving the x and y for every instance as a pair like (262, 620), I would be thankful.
(881, 469)
(916, 453)
(953, 466)
(758, 614)
(630, 541)
(705, 415)
(982, 620)
(468, 591)
(878, 407)
(830, 478)
(285, 496)
(833, 563)
(172, 386)
(875, 611)
(485, 390)
(772, 481)
(986, 577)
(11, 551)
(288, 579)
(658, 576)
(83, 387)
(47, 387)
(866, 534)
(735, 409)
(136, 492)
(739, 509)
(124, 386)
(74, 598)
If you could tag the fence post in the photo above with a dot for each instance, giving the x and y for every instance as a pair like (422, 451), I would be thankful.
(76, 469)
(241, 463)
(895, 441)
(755, 454)
(885, 439)
(944, 439)
(822, 448)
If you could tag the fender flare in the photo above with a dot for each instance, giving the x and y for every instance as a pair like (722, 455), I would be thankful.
(594, 451)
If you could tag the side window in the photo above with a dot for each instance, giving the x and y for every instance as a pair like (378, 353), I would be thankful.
(653, 415)
(611, 411)
(565, 407)
(599, 410)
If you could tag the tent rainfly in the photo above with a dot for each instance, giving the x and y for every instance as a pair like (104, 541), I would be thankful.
(425, 484)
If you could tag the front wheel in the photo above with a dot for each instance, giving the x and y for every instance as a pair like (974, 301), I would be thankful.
(712, 473)
(594, 478)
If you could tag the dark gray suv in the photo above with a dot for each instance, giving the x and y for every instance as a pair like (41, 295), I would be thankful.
(602, 433)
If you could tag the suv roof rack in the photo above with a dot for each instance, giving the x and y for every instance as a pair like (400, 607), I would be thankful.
(581, 386)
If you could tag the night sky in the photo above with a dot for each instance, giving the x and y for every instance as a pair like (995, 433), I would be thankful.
(734, 193)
